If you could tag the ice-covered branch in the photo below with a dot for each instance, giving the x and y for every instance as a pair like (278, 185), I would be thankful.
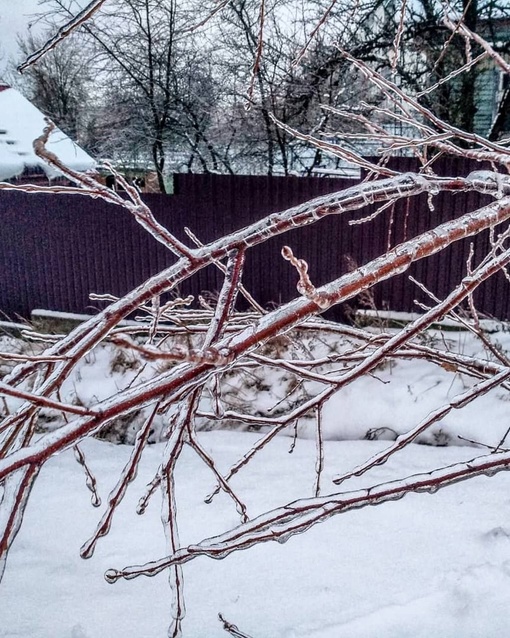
(298, 516)
(83, 16)
(90, 186)
(458, 402)
(184, 377)
(187, 379)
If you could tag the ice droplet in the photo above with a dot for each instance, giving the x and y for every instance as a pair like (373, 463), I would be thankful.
(112, 576)
(87, 549)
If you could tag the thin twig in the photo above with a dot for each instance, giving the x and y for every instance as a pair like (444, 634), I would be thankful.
(90, 479)
(115, 497)
(258, 54)
(319, 444)
(231, 629)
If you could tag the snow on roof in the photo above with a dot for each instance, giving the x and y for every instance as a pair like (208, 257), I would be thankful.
(20, 124)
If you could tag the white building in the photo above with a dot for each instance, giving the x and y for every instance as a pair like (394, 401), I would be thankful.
(20, 124)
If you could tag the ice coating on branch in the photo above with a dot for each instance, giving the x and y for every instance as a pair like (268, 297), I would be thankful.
(485, 181)
(483, 176)
(404, 439)
(90, 480)
(299, 516)
(180, 380)
(85, 14)
(283, 318)
(14, 497)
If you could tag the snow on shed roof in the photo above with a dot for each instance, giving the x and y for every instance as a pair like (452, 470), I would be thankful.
(20, 124)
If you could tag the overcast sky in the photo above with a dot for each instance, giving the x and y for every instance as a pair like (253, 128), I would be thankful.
(15, 16)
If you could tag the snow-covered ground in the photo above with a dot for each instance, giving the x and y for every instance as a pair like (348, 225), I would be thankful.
(420, 567)
(423, 566)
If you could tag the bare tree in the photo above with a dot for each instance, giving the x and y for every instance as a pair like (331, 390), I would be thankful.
(410, 41)
(228, 345)
(137, 61)
(61, 85)
(431, 52)
(259, 47)
(208, 101)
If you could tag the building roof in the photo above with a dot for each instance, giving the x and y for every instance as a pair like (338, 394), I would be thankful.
(20, 124)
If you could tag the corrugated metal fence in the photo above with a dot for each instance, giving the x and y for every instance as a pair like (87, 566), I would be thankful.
(56, 249)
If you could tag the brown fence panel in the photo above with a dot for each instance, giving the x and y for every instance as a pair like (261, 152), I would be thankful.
(55, 250)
